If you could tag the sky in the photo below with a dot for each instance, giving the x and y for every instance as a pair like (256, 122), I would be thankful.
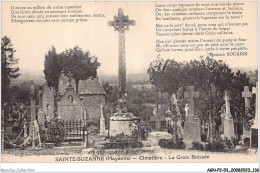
(32, 41)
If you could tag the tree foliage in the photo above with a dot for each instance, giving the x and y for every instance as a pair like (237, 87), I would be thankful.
(81, 64)
(52, 68)
(8, 69)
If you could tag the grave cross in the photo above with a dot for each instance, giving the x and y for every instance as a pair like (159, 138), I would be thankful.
(120, 24)
(246, 94)
(191, 94)
(227, 102)
(32, 94)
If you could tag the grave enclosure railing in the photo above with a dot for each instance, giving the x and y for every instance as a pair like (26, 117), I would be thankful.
(72, 130)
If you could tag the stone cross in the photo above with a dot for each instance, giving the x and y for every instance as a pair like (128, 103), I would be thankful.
(227, 102)
(246, 94)
(120, 24)
(32, 94)
(191, 94)
(33, 118)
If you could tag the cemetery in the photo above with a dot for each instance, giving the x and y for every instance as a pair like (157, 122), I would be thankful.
(207, 108)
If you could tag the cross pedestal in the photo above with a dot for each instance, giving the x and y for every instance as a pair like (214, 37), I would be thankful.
(192, 125)
(229, 130)
(247, 95)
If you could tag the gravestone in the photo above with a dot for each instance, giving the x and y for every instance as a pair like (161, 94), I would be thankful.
(229, 130)
(247, 95)
(158, 120)
(41, 114)
(254, 128)
(102, 125)
(192, 123)
(154, 137)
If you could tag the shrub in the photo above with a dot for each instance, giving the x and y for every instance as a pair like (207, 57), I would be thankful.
(179, 144)
(172, 144)
(216, 146)
(196, 145)
(163, 143)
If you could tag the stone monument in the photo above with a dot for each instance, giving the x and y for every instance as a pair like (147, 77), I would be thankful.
(229, 130)
(247, 95)
(121, 23)
(192, 123)
(122, 121)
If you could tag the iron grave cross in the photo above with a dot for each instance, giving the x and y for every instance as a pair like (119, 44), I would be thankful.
(120, 24)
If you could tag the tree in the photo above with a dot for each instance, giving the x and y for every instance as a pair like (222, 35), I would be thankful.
(8, 69)
(52, 68)
(156, 73)
(81, 64)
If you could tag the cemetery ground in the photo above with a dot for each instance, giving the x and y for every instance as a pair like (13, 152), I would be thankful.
(69, 151)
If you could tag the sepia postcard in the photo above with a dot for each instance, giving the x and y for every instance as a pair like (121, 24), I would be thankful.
(129, 82)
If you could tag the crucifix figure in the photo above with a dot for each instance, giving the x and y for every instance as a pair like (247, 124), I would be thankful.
(247, 94)
(120, 24)
(191, 94)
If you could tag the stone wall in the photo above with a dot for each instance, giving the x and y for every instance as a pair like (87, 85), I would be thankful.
(91, 103)
(69, 106)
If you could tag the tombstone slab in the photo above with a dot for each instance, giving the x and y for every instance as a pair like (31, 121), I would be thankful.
(41, 116)
(154, 137)
(192, 124)
(191, 132)
(229, 130)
